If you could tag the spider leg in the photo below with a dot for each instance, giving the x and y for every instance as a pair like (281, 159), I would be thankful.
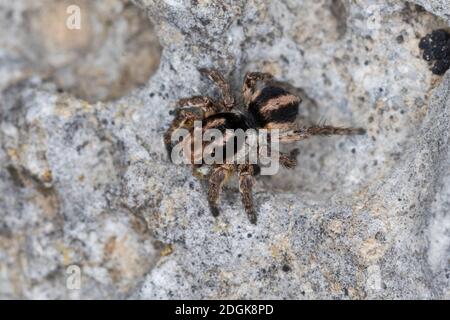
(246, 182)
(184, 117)
(249, 87)
(288, 161)
(215, 76)
(180, 121)
(208, 105)
(216, 180)
(321, 130)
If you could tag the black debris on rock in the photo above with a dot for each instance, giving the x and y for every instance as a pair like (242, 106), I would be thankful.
(436, 48)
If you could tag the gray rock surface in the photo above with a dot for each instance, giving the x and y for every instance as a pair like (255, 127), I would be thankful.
(89, 184)
(438, 7)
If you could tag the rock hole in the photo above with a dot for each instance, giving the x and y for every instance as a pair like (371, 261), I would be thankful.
(114, 50)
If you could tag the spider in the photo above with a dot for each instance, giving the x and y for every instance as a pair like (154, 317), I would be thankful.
(265, 106)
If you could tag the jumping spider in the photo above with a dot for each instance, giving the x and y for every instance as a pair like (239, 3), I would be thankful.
(266, 106)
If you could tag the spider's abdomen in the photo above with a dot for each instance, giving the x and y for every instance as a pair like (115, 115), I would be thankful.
(274, 108)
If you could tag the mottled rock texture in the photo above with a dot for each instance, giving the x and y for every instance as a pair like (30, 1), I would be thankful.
(438, 7)
(89, 183)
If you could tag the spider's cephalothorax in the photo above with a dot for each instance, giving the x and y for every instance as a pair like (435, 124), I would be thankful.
(266, 106)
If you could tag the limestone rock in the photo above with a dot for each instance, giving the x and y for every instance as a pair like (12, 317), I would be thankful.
(89, 183)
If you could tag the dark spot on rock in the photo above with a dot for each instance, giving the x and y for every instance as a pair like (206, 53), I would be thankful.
(249, 235)
(400, 39)
(15, 176)
(5, 231)
(353, 150)
(380, 236)
(419, 8)
(436, 49)
(205, 22)
(339, 11)
(81, 146)
(286, 268)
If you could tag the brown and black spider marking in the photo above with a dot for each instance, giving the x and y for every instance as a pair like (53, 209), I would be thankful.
(265, 106)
